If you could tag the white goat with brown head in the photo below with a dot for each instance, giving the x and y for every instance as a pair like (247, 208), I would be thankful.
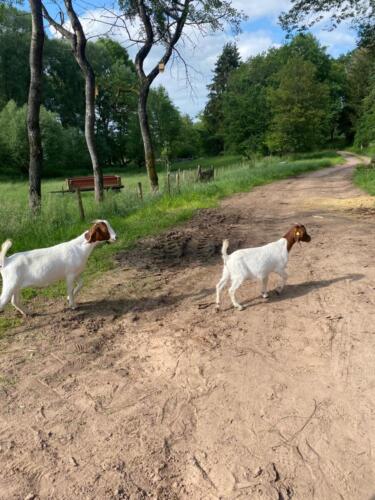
(258, 263)
(44, 266)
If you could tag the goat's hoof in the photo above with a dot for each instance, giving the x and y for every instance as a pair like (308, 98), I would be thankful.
(265, 295)
(217, 307)
(240, 308)
(279, 291)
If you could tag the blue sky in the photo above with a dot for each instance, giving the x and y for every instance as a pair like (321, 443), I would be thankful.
(260, 32)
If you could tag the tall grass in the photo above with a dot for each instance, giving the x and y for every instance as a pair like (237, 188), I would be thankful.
(131, 217)
(364, 177)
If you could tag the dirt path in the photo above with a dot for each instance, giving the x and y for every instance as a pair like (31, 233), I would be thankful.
(146, 392)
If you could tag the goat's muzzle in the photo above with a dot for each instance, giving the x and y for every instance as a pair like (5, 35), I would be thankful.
(306, 238)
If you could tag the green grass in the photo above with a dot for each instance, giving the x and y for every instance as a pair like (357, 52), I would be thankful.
(131, 217)
(364, 177)
(214, 161)
(368, 151)
(315, 155)
(5, 325)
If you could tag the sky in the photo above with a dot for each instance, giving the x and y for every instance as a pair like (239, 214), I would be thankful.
(259, 33)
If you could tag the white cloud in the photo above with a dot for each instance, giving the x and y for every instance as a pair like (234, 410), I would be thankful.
(251, 44)
(337, 41)
(261, 8)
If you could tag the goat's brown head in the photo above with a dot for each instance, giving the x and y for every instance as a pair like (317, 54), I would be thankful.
(295, 234)
(100, 231)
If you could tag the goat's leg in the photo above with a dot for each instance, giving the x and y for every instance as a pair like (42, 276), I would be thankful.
(16, 302)
(79, 285)
(232, 290)
(70, 289)
(6, 295)
(284, 276)
(221, 285)
(264, 287)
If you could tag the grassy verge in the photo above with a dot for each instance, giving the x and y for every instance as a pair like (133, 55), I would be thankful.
(368, 151)
(214, 161)
(364, 178)
(131, 217)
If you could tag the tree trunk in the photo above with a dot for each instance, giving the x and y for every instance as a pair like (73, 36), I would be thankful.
(79, 44)
(33, 109)
(146, 136)
(90, 133)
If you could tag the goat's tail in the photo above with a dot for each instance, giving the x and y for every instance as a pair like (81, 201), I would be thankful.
(224, 250)
(4, 249)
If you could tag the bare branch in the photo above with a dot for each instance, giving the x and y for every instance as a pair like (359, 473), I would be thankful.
(58, 27)
(171, 43)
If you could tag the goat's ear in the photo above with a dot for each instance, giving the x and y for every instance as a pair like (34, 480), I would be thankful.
(91, 234)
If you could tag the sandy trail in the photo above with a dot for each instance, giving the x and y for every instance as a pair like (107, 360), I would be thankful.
(146, 392)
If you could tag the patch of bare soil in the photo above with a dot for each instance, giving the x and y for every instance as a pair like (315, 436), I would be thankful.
(146, 392)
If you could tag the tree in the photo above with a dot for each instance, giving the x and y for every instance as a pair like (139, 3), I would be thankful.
(33, 108)
(327, 70)
(13, 137)
(303, 14)
(15, 34)
(187, 144)
(246, 111)
(365, 130)
(300, 109)
(78, 43)
(64, 86)
(227, 62)
(360, 68)
(118, 133)
(162, 23)
(165, 120)
(62, 147)
(305, 45)
(245, 105)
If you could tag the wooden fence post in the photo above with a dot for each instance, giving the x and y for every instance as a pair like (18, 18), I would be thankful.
(140, 192)
(169, 183)
(178, 180)
(80, 204)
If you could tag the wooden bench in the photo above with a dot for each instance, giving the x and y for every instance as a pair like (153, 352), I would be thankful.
(79, 184)
(87, 183)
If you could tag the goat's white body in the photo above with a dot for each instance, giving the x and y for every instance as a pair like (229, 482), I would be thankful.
(44, 266)
(258, 262)
(253, 263)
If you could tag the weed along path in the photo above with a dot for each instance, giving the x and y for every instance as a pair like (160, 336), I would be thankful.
(146, 392)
